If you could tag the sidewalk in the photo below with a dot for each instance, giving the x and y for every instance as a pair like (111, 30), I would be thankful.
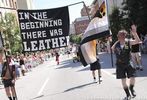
(106, 58)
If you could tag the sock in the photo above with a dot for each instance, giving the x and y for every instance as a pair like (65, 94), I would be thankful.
(14, 98)
(10, 98)
(127, 91)
(132, 90)
(131, 87)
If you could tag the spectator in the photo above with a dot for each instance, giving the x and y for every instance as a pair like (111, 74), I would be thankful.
(57, 57)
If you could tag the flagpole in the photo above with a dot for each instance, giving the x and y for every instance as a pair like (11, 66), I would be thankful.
(84, 7)
(86, 10)
(111, 34)
(106, 2)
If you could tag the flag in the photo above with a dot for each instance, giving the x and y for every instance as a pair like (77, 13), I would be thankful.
(87, 52)
(97, 28)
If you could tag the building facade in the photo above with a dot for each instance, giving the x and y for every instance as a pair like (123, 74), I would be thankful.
(85, 11)
(25, 4)
(8, 3)
(7, 6)
(82, 22)
(72, 29)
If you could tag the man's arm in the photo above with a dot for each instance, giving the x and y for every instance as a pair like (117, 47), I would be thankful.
(113, 47)
(135, 35)
(13, 73)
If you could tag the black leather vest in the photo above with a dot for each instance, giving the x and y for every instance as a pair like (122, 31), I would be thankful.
(122, 54)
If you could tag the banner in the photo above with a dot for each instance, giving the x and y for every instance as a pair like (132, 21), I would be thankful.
(44, 29)
(97, 28)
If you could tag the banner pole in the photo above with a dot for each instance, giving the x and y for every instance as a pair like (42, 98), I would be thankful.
(111, 53)
(84, 7)
(110, 34)
(75, 3)
(86, 10)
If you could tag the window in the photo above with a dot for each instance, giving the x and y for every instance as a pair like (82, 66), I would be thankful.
(6, 3)
(10, 2)
(15, 4)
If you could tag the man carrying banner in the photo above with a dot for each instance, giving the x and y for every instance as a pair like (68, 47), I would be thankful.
(95, 66)
(124, 68)
(57, 57)
(97, 28)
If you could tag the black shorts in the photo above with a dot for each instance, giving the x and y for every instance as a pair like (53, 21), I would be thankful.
(8, 83)
(123, 71)
(95, 66)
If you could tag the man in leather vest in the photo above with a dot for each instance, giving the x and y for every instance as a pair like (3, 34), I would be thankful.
(8, 78)
(124, 68)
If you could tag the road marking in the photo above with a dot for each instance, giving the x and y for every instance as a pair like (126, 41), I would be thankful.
(108, 73)
(43, 86)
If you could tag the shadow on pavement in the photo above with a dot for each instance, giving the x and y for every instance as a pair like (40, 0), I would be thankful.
(84, 69)
(65, 62)
(42, 96)
(78, 87)
(68, 64)
(37, 97)
(67, 90)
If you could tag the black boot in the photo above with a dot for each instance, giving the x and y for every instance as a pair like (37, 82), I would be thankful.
(10, 98)
(127, 93)
(94, 80)
(132, 90)
(14, 98)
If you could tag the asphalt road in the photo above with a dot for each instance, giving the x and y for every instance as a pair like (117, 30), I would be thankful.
(72, 81)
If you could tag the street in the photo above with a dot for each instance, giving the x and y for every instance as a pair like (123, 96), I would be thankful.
(72, 81)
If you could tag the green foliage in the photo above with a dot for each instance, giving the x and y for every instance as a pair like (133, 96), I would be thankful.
(137, 13)
(132, 12)
(115, 22)
(10, 32)
(75, 39)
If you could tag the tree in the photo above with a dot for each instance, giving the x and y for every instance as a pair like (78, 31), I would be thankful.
(75, 39)
(10, 32)
(115, 22)
(136, 12)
